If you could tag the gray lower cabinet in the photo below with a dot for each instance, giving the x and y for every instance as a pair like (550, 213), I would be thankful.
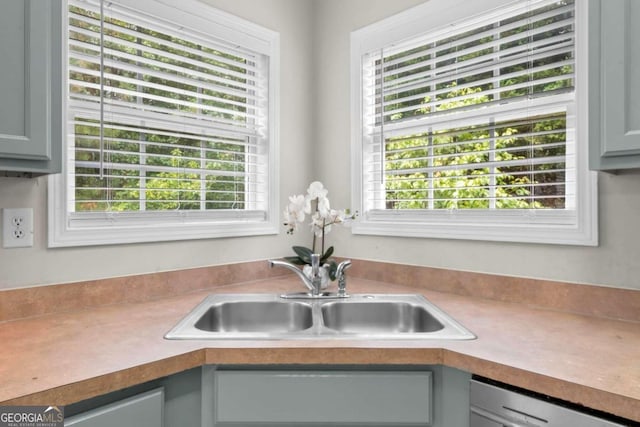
(31, 87)
(142, 410)
(327, 397)
(432, 396)
(614, 87)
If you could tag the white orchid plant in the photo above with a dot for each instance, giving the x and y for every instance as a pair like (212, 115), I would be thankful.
(315, 204)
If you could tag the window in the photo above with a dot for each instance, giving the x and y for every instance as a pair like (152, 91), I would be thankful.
(474, 127)
(171, 125)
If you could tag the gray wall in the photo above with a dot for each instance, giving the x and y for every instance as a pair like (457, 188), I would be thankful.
(315, 138)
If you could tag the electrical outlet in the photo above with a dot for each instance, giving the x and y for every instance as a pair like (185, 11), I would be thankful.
(17, 228)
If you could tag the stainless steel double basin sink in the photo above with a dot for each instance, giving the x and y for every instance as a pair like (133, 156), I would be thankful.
(366, 316)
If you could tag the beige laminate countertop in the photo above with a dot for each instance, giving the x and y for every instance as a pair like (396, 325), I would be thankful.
(66, 357)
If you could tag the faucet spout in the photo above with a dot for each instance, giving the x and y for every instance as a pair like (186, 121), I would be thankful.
(312, 284)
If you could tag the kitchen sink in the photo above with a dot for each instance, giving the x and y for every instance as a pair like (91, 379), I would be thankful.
(379, 317)
(256, 316)
(366, 316)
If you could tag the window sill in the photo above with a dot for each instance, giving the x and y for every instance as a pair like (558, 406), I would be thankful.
(106, 231)
(548, 227)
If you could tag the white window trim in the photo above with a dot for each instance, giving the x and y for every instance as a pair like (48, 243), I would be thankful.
(559, 227)
(64, 231)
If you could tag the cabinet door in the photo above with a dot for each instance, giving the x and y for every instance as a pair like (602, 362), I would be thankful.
(30, 86)
(269, 398)
(143, 410)
(614, 85)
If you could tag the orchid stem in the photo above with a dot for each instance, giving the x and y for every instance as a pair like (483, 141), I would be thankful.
(323, 226)
(313, 243)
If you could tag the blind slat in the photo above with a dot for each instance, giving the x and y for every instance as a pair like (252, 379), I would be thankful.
(495, 82)
(148, 20)
(495, 46)
(141, 85)
(482, 165)
(192, 79)
(479, 95)
(454, 145)
(139, 143)
(516, 109)
(244, 61)
(153, 168)
(243, 142)
(472, 23)
(429, 179)
(156, 118)
(157, 57)
(130, 62)
(494, 33)
(136, 94)
(411, 82)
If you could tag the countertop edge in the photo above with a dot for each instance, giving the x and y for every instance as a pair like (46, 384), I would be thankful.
(589, 397)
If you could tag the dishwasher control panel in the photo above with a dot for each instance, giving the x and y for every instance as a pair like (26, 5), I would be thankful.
(493, 406)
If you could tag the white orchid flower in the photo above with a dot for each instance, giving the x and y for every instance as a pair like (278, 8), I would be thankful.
(289, 222)
(317, 224)
(323, 207)
(294, 213)
(297, 207)
(336, 216)
(316, 190)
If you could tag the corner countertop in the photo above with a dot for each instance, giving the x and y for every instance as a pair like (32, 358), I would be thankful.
(67, 357)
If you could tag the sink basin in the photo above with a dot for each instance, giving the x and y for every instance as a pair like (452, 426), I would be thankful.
(256, 316)
(268, 316)
(379, 316)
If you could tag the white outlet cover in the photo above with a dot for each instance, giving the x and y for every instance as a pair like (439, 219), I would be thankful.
(17, 228)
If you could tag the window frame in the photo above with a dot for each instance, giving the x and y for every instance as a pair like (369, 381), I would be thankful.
(65, 229)
(568, 226)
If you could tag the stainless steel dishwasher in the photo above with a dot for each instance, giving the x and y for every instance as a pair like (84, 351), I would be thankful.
(493, 406)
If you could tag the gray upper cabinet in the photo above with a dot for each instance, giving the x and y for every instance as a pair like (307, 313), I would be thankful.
(614, 86)
(30, 87)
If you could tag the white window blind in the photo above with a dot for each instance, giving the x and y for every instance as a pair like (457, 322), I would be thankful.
(183, 118)
(475, 118)
(170, 123)
(473, 121)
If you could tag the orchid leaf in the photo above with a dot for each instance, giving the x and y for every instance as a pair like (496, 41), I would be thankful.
(326, 255)
(333, 269)
(303, 253)
(294, 260)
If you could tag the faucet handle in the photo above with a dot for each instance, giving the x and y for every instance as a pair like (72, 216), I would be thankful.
(342, 278)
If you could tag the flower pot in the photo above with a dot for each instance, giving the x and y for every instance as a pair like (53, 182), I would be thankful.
(324, 275)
